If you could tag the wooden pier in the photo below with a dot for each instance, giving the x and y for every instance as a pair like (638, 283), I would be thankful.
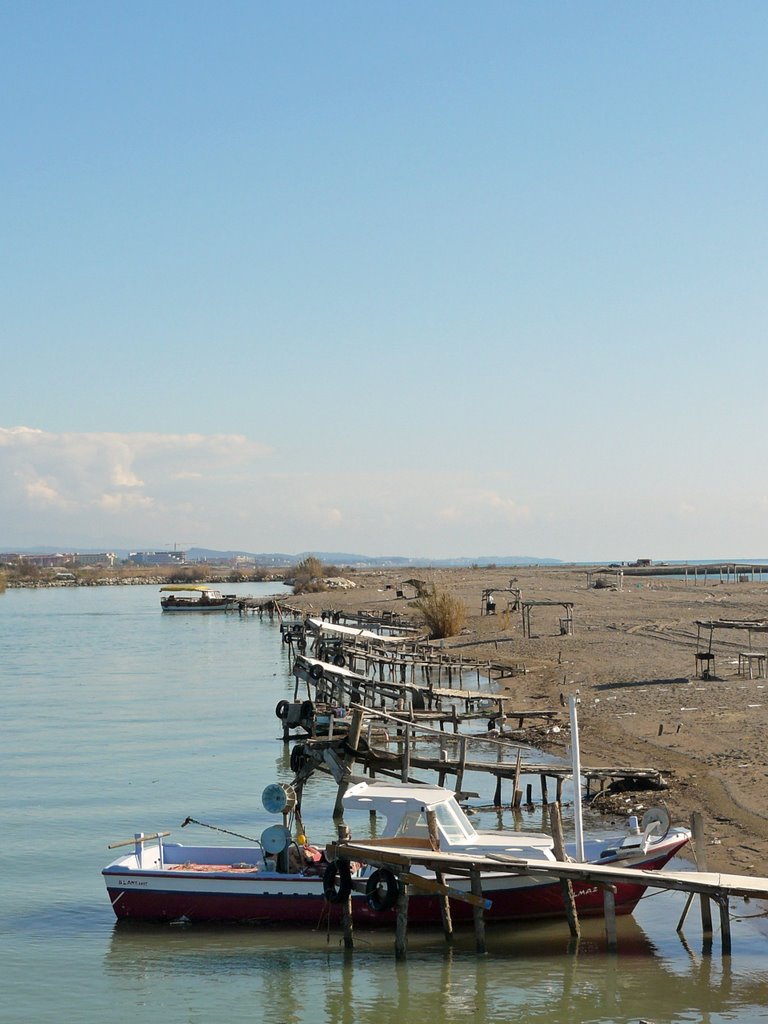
(401, 858)
(720, 888)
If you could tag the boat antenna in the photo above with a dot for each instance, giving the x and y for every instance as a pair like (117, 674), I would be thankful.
(238, 835)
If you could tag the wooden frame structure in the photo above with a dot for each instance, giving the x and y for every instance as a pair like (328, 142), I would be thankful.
(705, 659)
(566, 622)
(512, 604)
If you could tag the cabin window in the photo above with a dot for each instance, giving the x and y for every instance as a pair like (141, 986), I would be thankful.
(453, 823)
(413, 825)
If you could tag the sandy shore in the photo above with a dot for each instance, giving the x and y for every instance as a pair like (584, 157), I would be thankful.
(631, 656)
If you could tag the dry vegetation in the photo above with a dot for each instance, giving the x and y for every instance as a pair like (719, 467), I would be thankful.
(444, 613)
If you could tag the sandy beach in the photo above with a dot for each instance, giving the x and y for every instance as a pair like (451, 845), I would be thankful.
(632, 659)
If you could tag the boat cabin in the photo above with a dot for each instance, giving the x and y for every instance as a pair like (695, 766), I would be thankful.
(404, 808)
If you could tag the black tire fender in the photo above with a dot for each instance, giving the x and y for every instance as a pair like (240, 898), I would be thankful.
(316, 672)
(337, 881)
(382, 890)
(298, 756)
(340, 661)
(281, 709)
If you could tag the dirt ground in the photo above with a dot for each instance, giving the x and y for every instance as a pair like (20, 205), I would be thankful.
(632, 658)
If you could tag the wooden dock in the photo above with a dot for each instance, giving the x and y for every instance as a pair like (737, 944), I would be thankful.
(718, 887)
(401, 858)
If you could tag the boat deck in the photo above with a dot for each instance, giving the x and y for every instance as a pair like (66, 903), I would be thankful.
(210, 868)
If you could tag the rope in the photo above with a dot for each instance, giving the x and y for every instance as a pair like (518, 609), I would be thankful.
(238, 835)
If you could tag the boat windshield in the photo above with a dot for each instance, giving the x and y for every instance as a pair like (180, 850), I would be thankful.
(454, 823)
(451, 820)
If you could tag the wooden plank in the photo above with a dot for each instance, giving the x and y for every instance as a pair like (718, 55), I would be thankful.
(435, 888)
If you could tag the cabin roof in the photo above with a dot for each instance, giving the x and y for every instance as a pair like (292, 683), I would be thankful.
(190, 586)
(387, 791)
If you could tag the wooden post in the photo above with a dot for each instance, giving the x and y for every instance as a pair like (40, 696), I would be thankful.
(497, 794)
(477, 910)
(684, 914)
(544, 799)
(353, 739)
(517, 794)
(445, 907)
(462, 763)
(346, 921)
(566, 887)
(401, 926)
(700, 852)
(609, 908)
(725, 924)
(406, 767)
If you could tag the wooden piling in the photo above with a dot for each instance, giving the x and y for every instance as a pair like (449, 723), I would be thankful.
(725, 924)
(609, 910)
(401, 925)
(477, 910)
(700, 852)
(406, 767)
(445, 906)
(346, 921)
(353, 740)
(462, 763)
(566, 886)
(517, 794)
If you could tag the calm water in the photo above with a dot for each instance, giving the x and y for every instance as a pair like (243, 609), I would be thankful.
(117, 718)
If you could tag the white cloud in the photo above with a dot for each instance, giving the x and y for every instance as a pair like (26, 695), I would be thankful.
(124, 502)
(44, 475)
(477, 506)
(39, 492)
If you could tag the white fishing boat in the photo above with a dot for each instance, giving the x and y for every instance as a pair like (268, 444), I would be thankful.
(279, 880)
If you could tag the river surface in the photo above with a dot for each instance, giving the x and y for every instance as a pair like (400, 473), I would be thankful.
(117, 719)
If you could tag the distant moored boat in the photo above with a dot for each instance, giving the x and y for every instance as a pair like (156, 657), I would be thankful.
(195, 598)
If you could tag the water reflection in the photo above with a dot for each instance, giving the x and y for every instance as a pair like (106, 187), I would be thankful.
(528, 976)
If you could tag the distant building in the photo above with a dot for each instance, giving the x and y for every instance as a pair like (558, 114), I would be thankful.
(107, 558)
(48, 561)
(158, 557)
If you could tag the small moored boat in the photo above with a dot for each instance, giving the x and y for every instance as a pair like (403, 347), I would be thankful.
(278, 881)
(195, 598)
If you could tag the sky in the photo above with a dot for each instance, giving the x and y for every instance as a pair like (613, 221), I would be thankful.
(435, 279)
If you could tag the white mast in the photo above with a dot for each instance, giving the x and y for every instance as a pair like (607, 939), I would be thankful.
(573, 700)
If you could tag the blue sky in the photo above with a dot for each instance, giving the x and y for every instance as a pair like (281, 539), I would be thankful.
(423, 279)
